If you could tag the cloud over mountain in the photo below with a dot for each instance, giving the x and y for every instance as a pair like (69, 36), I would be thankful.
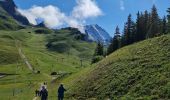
(53, 17)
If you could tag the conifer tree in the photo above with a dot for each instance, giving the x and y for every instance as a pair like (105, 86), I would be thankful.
(168, 23)
(115, 43)
(146, 20)
(128, 31)
(122, 42)
(154, 28)
(164, 26)
(133, 34)
(140, 27)
(99, 51)
(147, 25)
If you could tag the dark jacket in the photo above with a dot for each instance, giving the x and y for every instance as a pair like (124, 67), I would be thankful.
(44, 94)
(61, 91)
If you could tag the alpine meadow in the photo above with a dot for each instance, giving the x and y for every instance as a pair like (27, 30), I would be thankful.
(84, 50)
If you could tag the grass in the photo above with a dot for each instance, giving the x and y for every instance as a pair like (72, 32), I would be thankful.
(70, 41)
(136, 72)
(24, 82)
(7, 22)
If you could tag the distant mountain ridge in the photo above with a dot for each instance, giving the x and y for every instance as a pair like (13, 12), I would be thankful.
(10, 7)
(42, 24)
(93, 33)
(97, 33)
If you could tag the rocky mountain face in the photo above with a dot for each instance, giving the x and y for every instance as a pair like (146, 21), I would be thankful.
(42, 24)
(96, 33)
(10, 7)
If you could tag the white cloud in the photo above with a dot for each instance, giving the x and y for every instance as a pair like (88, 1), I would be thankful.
(86, 9)
(54, 18)
(122, 5)
(75, 23)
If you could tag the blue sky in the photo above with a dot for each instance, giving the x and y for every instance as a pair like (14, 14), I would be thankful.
(114, 12)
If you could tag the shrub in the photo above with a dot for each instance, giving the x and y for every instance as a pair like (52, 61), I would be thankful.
(53, 73)
(38, 72)
(97, 59)
(58, 47)
(43, 31)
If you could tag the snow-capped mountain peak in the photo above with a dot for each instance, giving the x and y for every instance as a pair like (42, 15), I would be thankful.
(96, 33)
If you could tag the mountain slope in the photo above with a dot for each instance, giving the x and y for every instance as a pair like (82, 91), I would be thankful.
(32, 42)
(10, 7)
(10, 18)
(70, 41)
(139, 71)
(7, 22)
(96, 33)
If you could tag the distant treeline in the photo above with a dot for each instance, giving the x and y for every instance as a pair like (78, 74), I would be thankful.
(147, 25)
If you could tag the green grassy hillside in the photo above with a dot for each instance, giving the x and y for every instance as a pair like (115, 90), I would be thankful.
(7, 22)
(137, 72)
(22, 84)
(70, 41)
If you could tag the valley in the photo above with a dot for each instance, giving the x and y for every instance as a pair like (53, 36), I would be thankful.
(43, 47)
(31, 55)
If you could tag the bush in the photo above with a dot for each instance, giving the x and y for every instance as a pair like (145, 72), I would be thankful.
(58, 47)
(43, 31)
(166, 91)
(53, 73)
(38, 72)
(97, 59)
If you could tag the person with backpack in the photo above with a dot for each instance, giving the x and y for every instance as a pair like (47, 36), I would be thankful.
(44, 93)
(61, 91)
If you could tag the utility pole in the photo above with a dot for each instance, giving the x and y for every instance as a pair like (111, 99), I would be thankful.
(81, 62)
(68, 52)
(62, 59)
(13, 92)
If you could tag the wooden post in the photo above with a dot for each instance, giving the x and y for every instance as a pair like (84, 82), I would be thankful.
(13, 92)
(62, 59)
(81, 62)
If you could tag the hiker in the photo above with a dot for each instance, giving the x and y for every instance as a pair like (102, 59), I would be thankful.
(43, 93)
(61, 92)
(36, 93)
